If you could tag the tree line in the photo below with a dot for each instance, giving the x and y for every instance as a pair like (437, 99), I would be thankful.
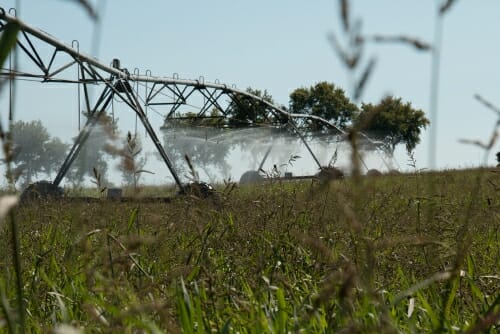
(35, 153)
(391, 121)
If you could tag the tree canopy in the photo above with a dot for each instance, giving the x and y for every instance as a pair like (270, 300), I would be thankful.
(34, 151)
(245, 111)
(326, 101)
(394, 122)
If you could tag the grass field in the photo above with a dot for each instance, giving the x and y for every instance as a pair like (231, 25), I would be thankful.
(391, 254)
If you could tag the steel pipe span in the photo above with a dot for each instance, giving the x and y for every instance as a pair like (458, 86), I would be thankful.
(82, 57)
(118, 82)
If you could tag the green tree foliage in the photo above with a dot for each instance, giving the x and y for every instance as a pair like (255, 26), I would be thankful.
(191, 119)
(54, 154)
(394, 122)
(34, 151)
(246, 111)
(326, 101)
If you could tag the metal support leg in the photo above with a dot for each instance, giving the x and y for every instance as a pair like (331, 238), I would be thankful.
(296, 129)
(265, 157)
(94, 115)
(142, 116)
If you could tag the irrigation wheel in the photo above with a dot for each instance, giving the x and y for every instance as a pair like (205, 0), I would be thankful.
(251, 176)
(41, 190)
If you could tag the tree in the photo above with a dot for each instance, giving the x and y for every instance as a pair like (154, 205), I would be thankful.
(393, 122)
(246, 111)
(191, 119)
(34, 151)
(323, 100)
(54, 154)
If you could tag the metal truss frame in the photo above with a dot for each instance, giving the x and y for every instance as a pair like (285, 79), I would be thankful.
(170, 93)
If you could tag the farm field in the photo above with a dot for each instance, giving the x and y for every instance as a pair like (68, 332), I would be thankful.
(390, 254)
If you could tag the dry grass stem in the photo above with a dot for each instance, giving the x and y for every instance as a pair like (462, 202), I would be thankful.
(446, 6)
(416, 43)
(487, 104)
(344, 10)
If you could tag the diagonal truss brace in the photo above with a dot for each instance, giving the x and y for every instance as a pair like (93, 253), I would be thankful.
(91, 71)
(119, 89)
(92, 119)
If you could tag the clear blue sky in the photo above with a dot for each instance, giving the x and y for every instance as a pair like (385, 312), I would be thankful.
(283, 45)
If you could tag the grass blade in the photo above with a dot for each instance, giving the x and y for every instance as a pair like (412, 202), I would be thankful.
(8, 41)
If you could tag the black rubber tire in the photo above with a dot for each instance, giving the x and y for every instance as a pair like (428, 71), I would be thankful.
(329, 173)
(251, 176)
(198, 189)
(41, 190)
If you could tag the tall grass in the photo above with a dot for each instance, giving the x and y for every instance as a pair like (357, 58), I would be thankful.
(408, 253)
(282, 257)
